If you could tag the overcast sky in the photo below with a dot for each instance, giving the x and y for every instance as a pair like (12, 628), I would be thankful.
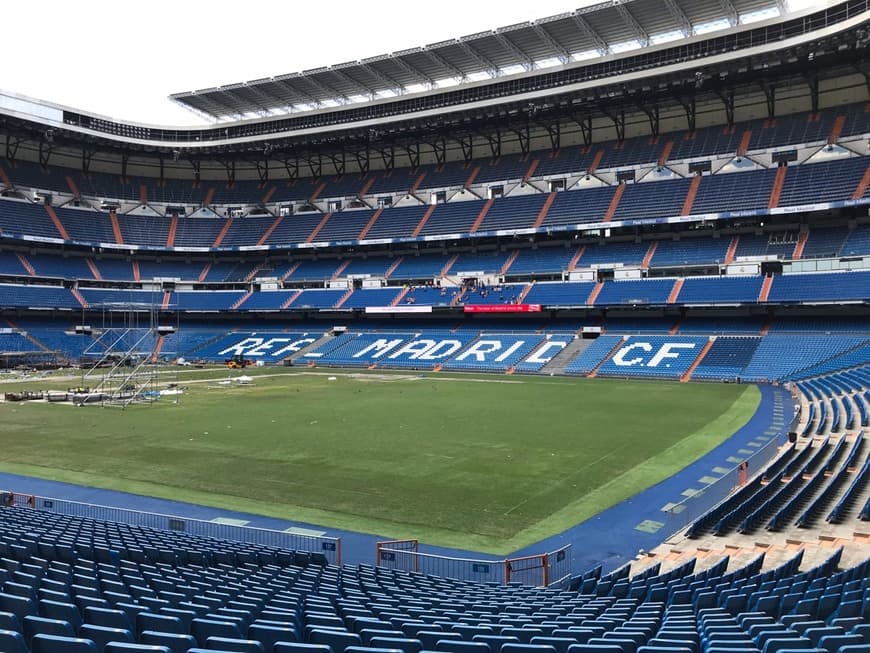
(123, 59)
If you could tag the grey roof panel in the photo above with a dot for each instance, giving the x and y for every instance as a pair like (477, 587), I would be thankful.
(553, 38)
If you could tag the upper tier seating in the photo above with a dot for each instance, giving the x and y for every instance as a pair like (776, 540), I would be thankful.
(799, 128)
(719, 290)
(751, 190)
(37, 297)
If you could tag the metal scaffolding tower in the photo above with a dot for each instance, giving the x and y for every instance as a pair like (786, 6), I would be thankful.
(123, 357)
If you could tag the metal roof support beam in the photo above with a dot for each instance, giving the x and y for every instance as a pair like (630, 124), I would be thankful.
(679, 16)
(265, 99)
(652, 115)
(439, 149)
(11, 147)
(561, 52)
(315, 165)
(292, 167)
(388, 82)
(524, 135)
(494, 140)
(813, 85)
(414, 72)
(554, 131)
(441, 61)
(584, 122)
(339, 162)
(299, 91)
(363, 160)
(527, 62)
(413, 152)
(196, 164)
(727, 99)
(635, 27)
(365, 87)
(230, 169)
(321, 86)
(223, 109)
(600, 44)
(730, 12)
(690, 109)
(388, 156)
(262, 170)
(87, 155)
(161, 177)
(125, 159)
(467, 145)
(262, 111)
(770, 98)
(618, 120)
(45, 151)
(483, 61)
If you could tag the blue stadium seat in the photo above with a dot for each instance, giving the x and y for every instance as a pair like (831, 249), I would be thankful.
(57, 644)
(235, 645)
(298, 647)
(12, 641)
(163, 623)
(107, 617)
(125, 647)
(102, 635)
(173, 641)
(34, 625)
(460, 646)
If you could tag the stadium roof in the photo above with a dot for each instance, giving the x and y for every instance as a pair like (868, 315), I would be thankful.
(608, 28)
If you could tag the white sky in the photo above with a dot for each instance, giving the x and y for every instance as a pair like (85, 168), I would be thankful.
(123, 59)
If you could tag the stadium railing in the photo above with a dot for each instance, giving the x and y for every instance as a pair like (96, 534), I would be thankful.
(549, 569)
(330, 547)
(680, 515)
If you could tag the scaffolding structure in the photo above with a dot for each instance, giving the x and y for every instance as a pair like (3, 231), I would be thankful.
(121, 364)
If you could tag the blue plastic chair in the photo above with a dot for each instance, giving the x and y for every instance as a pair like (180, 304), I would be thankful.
(234, 645)
(18, 605)
(299, 647)
(107, 617)
(403, 644)
(102, 635)
(11, 641)
(269, 635)
(57, 644)
(202, 629)
(124, 647)
(163, 623)
(173, 641)
(35, 625)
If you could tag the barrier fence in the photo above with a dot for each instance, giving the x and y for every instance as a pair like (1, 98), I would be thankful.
(329, 547)
(541, 570)
(680, 515)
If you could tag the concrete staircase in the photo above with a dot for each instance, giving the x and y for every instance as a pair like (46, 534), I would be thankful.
(299, 356)
(560, 361)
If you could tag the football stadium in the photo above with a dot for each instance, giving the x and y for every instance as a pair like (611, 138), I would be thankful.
(552, 338)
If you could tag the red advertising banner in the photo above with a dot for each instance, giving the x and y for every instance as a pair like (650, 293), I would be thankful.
(502, 308)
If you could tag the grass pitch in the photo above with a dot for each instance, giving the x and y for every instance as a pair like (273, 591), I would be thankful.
(489, 463)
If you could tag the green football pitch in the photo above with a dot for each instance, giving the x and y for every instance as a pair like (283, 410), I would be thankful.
(487, 463)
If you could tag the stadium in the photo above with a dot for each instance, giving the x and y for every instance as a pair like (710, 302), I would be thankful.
(553, 338)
